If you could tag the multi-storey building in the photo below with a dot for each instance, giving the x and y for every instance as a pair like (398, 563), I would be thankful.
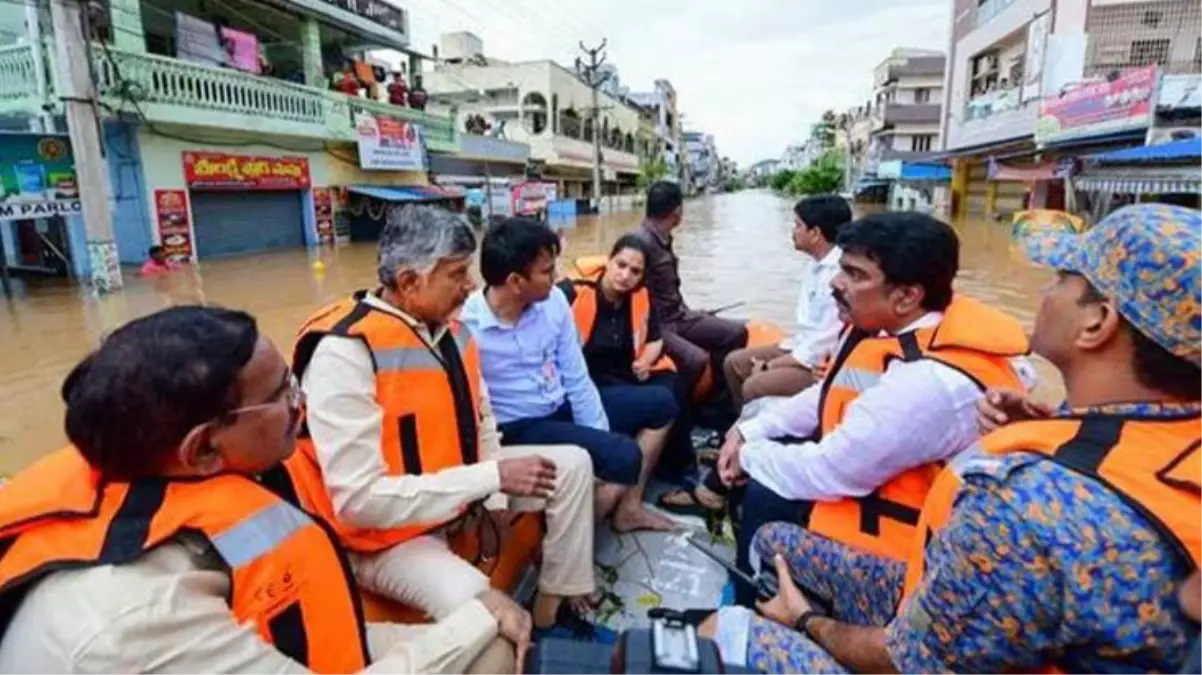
(907, 97)
(661, 102)
(545, 106)
(222, 131)
(1011, 58)
(704, 162)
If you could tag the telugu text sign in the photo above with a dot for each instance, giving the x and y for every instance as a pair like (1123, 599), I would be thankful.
(220, 171)
(1100, 107)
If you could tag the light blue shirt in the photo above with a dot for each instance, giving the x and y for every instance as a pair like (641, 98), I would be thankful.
(531, 368)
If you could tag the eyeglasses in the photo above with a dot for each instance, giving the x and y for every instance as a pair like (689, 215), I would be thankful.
(290, 390)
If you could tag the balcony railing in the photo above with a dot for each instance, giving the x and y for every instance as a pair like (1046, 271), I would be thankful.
(18, 83)
(152, 79)
(168, 90)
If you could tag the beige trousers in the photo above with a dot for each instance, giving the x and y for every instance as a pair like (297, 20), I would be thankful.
(424, 573)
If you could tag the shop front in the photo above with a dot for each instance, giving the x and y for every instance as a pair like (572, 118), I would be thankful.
(240, 204)
(41, 230)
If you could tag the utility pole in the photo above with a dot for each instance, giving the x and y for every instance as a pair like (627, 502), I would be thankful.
(79, 97)
(595, 79)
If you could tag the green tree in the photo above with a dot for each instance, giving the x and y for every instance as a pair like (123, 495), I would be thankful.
(823, 176)
(651, 170)
(824, 130)
(782, 179)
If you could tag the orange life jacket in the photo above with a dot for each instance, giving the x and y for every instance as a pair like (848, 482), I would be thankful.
(288, 576)
(1154, 465)
(430, 401)
(972, 338)
(582, 294)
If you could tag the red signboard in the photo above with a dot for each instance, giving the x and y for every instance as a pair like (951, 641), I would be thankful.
(323, 209)
(175, 227)
(217, 170)
(1101, 107)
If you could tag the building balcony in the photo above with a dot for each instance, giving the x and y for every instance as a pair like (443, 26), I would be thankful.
(906, 113)
(166, 90)
(472, 146)
(576, 152)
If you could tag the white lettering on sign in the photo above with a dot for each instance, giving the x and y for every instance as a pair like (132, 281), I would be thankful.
(24, 210)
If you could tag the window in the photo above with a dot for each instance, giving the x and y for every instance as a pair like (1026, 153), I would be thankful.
(922, 95)
(1147, 52)
(921, 143)
(1152, 18)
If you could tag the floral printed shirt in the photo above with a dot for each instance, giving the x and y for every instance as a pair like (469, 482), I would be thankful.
(1040, 565)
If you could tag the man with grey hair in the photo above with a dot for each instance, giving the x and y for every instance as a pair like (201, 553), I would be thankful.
(400, 446)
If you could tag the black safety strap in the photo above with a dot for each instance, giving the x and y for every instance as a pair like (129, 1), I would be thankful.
(126, 538)
(287, 631)
(466, 420)
(411, 453)
(873, 507)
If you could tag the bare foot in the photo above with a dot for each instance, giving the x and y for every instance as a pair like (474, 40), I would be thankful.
(631, 519)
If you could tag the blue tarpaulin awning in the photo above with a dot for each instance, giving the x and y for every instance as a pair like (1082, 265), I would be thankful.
(1183, 150)
(922, 171)
(407, 193)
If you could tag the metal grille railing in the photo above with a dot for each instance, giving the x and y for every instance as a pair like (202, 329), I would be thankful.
(1167, 33)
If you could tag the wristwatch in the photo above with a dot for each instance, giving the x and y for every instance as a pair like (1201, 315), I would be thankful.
(802, 624)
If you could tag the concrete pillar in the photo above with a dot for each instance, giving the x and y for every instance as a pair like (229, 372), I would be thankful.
(311, 53)
(128, 33)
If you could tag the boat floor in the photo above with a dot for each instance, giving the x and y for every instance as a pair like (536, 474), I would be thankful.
(639, 571)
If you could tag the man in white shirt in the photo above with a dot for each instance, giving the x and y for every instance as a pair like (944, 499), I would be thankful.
(788, 368)
(899, 398)
(393, 358)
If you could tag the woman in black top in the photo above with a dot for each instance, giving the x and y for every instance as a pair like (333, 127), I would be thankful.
(624, 351)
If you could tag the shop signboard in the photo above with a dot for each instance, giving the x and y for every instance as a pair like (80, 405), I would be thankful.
(221, 171)
(323, 210)
(174, 223)
(532, 198)
(388, 144)
(1099, 107)
(37, 177)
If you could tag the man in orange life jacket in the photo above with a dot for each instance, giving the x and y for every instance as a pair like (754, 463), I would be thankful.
(1057, 543)
(899, 397)
(400, 440)
(149, 545)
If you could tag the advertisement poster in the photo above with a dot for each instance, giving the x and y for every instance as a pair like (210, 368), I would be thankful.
(37, 177)
(1037, 42)
(389, 144)
(1099, 107)
(175, 226)
(221, 171)
(323, 209)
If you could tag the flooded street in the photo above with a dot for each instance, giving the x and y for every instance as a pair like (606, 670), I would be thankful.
(733, 248)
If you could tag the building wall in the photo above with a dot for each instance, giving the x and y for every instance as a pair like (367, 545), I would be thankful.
(132, 224)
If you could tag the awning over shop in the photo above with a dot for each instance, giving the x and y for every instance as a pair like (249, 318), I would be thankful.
(1134, 184)
(1187, 149)
(409, 193)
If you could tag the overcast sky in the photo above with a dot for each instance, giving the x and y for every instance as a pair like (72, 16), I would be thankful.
(754, 73)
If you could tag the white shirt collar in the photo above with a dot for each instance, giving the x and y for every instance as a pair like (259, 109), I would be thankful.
(928, 320)
(831, 258)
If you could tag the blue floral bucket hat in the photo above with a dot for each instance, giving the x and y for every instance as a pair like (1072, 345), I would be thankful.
(1144, 258)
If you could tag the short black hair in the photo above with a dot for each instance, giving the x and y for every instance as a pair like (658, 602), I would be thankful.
(828, 213)
(663, 197)
(133, 401)
(632, 241)
(155, 249)
(511, 247)
(911, 249)
(1155, 367)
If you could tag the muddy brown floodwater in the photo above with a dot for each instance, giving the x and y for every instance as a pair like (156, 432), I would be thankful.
(733, 248)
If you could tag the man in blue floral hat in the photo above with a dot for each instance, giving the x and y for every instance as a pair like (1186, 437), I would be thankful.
(1060, 540)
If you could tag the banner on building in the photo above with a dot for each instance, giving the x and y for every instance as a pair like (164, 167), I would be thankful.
(389, 144)
(1099, 107)
(174, 224)
(221, 171)
(1037, 42)
(37, 177)
(197, 40)
(323, 211)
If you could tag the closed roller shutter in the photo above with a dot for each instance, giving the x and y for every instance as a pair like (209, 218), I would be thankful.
(234, 223)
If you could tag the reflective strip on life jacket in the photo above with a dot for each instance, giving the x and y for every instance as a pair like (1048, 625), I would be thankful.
(288, 577)
(883, 522)
(429, 399)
